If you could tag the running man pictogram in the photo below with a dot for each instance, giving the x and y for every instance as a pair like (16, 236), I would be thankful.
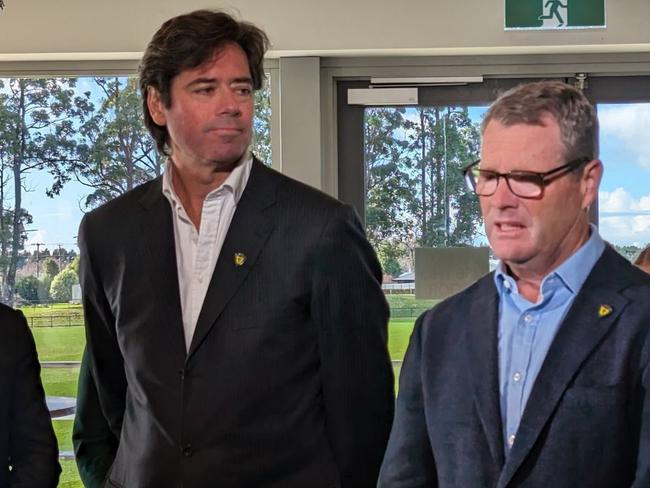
(554, 11)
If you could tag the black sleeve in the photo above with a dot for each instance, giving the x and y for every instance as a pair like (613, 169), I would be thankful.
(352, 315)
(409, 460)
(94, 443)
(33, 448)
(102, 384)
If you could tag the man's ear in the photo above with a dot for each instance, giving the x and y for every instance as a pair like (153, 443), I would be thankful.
(592, 173)
(156, 106)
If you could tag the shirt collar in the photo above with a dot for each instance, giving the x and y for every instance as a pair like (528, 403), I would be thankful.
(235, 183)
(573, 272)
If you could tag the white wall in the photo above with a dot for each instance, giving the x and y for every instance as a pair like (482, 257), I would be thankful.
(309, 27)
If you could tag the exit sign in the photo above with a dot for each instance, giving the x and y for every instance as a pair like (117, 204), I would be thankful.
(554, 14)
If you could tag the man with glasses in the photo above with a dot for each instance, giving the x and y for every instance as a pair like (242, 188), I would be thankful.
(538, 374)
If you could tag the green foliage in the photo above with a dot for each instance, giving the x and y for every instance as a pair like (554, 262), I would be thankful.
(39, 120)
(629, 251)
(116, 152)
(50, 267)
(74, 265)
(416, 195)
(44, 288)
(261, 145)
(27, 288)
(389, 255)
(61, 288)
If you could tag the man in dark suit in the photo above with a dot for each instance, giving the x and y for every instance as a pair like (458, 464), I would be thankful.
(537, 375)
(236, 328)
(28, 447)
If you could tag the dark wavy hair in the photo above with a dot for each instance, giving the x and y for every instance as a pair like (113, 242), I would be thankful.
(643, 259)
(187, 41)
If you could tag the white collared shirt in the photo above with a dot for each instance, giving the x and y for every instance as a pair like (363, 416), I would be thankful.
(197, 251)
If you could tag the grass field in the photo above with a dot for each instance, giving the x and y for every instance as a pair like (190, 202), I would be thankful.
(63, 343)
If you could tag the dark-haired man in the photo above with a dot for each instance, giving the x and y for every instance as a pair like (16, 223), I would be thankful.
(538, 375)
(28, 447)
(235, 321)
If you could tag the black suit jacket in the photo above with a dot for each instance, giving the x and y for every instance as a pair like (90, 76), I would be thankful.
(27, 442)
(287, 382)
(586, 423)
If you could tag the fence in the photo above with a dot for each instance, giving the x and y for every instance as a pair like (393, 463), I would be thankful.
(397, 288)
(56, 320)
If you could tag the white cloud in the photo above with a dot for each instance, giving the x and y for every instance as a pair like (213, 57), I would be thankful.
(629, 124)
(35, 237)
(624, 219)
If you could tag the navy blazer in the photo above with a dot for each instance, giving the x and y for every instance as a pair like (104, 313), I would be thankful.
(27, 442)
(287, 382)
(586, 423)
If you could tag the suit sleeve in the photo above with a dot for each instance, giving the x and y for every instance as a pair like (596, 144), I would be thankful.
(642, 474)
(33, 451)
(409, 460)
(102, 383)
(351, 312)
(94, 443)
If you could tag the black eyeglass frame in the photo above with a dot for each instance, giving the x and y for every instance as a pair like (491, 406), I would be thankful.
(544, 178)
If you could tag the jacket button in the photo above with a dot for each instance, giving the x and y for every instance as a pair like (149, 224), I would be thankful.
(187, 450)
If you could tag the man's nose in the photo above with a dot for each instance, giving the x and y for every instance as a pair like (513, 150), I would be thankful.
(503, 196)
(228, 103)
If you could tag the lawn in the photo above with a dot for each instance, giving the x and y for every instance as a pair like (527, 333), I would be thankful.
(59, 343)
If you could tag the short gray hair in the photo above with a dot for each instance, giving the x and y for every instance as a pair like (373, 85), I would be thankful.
(529, 103)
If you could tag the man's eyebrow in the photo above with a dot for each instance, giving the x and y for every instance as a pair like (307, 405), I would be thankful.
(209, 81)
(244, 79)
(201, 81)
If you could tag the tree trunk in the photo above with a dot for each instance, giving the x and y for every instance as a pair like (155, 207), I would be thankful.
(17, 228)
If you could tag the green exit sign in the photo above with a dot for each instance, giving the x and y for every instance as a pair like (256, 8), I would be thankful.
(554, 14)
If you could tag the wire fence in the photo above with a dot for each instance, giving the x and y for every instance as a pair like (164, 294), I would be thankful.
(56, 320)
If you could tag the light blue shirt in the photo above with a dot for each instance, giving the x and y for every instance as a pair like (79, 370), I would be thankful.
(527, 329)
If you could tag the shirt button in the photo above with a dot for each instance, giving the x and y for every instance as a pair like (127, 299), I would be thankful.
(199, 278)
(528, 318)
(511, 440)
(187, 450)
(506, 285)
(516, 377)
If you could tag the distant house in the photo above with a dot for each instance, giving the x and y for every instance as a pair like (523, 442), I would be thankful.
(407, 277)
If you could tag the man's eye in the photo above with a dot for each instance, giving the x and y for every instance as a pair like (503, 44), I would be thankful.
(206, 90)
(524, 178)
(244, 90)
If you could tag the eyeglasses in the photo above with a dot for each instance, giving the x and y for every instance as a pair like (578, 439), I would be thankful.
(524, 184)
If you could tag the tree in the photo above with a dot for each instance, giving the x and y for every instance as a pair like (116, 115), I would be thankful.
(50, 267)
(116, 152)
(416, 195)
(61, 288)
(27, 288)
(38, 125)
(441, 142)
(261, 145)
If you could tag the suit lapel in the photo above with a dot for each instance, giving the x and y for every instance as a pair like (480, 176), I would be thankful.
(481, 342)
(251, 226)
(582, 330)
(158, 258)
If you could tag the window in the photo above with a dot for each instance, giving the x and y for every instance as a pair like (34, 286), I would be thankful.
(74, 144)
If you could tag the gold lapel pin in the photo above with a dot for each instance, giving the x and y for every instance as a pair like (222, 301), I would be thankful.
(605, 310)
(240, 258)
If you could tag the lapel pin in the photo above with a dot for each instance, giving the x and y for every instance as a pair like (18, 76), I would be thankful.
(605, 310)
(240, 258)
